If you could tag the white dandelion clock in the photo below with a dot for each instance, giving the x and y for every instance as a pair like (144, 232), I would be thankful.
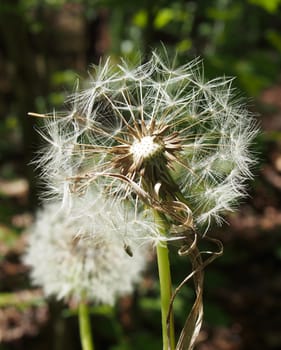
(80, 259)
(158, 134)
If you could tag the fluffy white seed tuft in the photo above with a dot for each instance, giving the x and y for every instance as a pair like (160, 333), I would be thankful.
(76, 257)
(153, 131)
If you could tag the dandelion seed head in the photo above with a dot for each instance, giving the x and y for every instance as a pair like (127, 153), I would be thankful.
(157, 132)
(75, 258)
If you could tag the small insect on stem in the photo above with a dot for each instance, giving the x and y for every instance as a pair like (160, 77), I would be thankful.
(128, 250)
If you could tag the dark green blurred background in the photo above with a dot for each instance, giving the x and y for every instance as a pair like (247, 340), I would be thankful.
(45, 46)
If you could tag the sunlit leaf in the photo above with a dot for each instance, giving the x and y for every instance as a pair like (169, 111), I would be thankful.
(164, 16)
(268, 5)
(140, 19)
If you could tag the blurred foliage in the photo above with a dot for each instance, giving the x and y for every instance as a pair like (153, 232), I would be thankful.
(236, 38)
(45, 47)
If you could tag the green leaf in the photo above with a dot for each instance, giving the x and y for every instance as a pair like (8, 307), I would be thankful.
(274, 38)
(269, 5)
(184, 45)
(163, 17)
(140, 19)
(224, 14)
(8, 236)
(21, 300)
(150, 304)
(66, 77)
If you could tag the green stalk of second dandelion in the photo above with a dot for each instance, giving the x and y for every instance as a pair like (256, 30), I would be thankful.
(86, 336)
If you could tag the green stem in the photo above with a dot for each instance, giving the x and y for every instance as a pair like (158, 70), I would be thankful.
(165, 286)
(85, 327)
